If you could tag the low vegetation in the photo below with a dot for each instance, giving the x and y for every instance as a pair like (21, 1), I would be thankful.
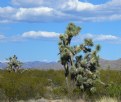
(50, 84)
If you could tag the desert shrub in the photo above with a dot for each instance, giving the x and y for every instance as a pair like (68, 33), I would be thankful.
(37, 84)
(2, 95)
(113, 78)
(29, 84)
(59, 92)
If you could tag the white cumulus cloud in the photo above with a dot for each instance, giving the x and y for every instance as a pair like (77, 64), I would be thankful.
(78, 5)
(100, 37)
(36, 14)
(39, 34)
(60, 11)
(106, 37)
(33, 14)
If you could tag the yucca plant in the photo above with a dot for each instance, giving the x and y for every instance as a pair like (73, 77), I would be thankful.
(13, 64)
(80, 62)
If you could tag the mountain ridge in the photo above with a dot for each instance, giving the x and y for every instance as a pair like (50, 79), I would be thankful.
(104, 64)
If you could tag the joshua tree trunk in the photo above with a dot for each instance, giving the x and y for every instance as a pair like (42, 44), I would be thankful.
(67, 84)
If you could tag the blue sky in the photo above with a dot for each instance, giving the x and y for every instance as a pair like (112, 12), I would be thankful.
(30, 28)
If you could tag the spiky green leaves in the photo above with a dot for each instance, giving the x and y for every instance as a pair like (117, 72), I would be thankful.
(88, 42)
(73, 70)
(93, 60)
(80, 79)
(72, 30)
(80, 70)
(98, 48)
(93, 89)
(13, 64)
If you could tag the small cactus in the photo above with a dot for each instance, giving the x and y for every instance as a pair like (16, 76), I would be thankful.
(81, 62)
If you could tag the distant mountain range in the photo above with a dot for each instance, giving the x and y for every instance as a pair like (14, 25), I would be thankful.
(36, 65)
(113, 64)
(104, 64)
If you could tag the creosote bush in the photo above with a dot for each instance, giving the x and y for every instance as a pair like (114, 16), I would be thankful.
(29, 84)
(80, 62)
(34, 84)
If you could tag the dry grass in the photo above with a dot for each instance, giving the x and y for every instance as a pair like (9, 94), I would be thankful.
(59, 100)
(107, 99)
(104, 99)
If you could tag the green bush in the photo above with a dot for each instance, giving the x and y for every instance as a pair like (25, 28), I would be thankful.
(113, 78)
(51, 84)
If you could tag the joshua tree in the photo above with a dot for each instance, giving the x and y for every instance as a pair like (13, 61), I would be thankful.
(13, 64)
(80, 61)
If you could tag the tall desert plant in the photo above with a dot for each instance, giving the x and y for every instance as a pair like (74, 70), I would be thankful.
(13, 64)
(80, 62)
